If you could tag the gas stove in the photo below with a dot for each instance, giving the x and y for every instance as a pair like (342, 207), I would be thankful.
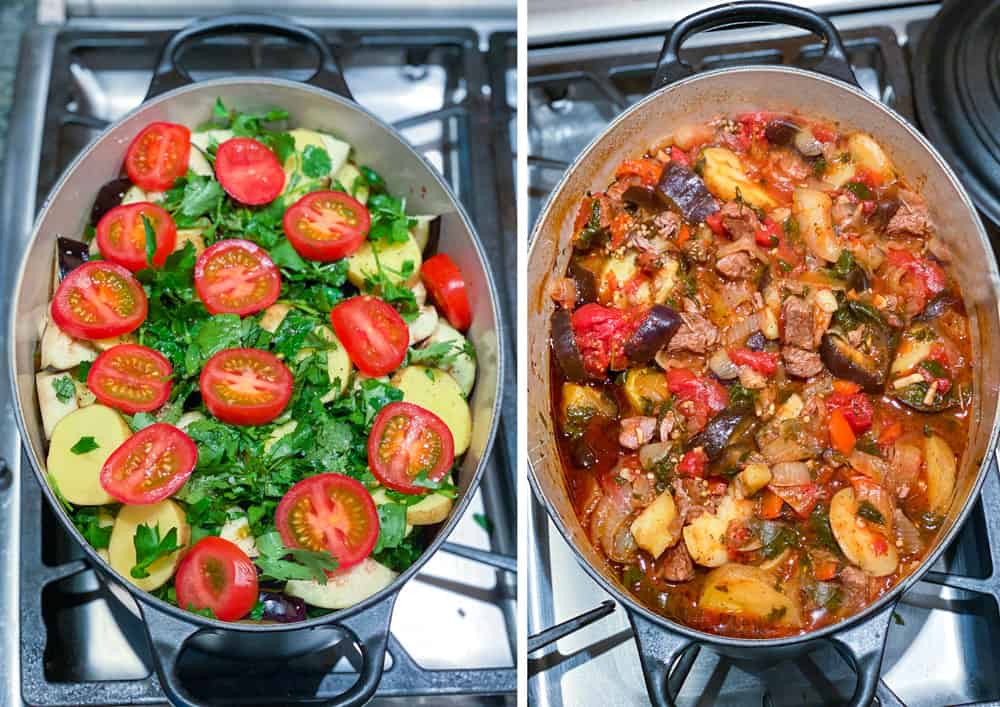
(447, 86)
(579, 78)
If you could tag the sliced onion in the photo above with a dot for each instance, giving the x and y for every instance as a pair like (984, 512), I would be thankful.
(790, 474)
(650, 454)
(904, 468)
(785, 450)
(722, 366)
(806, 143)
(741, 329)
(907, 533)
(608, 524)
(871, 466)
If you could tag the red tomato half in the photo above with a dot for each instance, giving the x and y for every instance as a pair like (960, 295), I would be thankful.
(407, 440)
(249, 171)
(329, 512)
(601, 333)
(98, 300)
(121, 235)
(372, 332)
(326, 225)
(131, 378)
(446, 286)
(158, 155)
(150, 465)
(245, 386)
(216, 574)
(236, 277)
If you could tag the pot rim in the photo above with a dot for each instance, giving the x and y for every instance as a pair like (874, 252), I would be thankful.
(988, 461)
(95, 560)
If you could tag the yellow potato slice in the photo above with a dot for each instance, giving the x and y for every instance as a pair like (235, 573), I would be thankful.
(749, 591)
(862, 545)
(166, 514)
(942, 469)
(78, 476)
(437, 391)
(393, 259)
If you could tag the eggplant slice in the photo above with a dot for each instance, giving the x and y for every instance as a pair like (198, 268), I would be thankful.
(564, 345)
(655, 332)
(70, 255)
(680, 188)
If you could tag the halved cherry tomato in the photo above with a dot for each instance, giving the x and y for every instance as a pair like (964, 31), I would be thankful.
(763, 362)
(446, 286)
(215, 574)
(121, 235)
(236, 277)
(407, 440)
(326, 225)
(249, 171)
(693, 463)
(714, 221)
(372, 332)
(648, 170)
(329, 512)
(678, 155)
(245, 386)
(601, 333)
(158, 155)
(150, 465)
(98, 300)
(131, 378)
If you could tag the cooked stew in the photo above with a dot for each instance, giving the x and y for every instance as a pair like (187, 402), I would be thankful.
(762, 374)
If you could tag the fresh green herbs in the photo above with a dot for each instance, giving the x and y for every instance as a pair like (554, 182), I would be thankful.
(392, 526)
(390, 224)
(869, 512)
(94, 524)
(150, 547)
(65, 390)
(315, 162)
(441, 354)
(860, 190)
(84, 445)
(282, 563)
(150, 240)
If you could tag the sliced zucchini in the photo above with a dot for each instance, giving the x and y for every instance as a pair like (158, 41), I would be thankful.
(166, 515)
(60, 351)
(463, 367)
(437, 391)
(345, 588)
(393, 259)
(78, 476)
(53, 409)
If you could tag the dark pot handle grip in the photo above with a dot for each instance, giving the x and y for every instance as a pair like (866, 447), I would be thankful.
(369, 629)
(863, 646)
(834, 63)
(659, 650)
(170, 74)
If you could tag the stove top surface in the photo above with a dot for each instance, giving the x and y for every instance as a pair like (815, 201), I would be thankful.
(441, 89)
(937, 645)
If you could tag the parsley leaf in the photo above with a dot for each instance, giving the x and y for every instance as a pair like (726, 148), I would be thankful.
(150, 240)
(65, 390)
(149, 548)
(315, 162)
(389, 222)
(304, 564)
(200, 196)
(88, 520)
(392, 526)
(869, 512)
(441, 354)
(83, 370)
(84, 445)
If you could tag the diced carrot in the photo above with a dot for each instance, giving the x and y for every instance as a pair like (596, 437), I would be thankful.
(825, 570)
(770, 505)
(890, 434)
(683, 235)
(845, 387)
(841, 435)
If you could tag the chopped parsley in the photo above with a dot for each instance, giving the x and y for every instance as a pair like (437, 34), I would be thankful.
(65, 390)
(150, 547)
(84, 445)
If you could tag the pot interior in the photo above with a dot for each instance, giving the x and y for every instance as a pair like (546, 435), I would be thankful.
(733, 91)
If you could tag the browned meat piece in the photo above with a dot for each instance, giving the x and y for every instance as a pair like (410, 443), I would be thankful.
(700, 246)
(801, 363)
(797, 316)
(911, 218)
(740, 220)
(636, 431)
(667, 223)
(847, 215)
(667, 425)
(696, 334)
(563, 292)
(675, 565)
(649, 261)
(854, 583)
(737, 266)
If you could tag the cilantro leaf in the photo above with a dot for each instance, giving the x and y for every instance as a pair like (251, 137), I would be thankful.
(150, 547)
(315, 162)
(65, 390)
(216, 441)
(443, 487)
(201, 196)
(374, 181)
(84, 445)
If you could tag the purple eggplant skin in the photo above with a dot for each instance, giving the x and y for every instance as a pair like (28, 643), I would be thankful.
(70, 255)
(565, 348)
(642, 196)
(681, 189)
(717, 433)
(586, 282)
(780, 131)
(655, 332)
(282, 608)
(108, 197)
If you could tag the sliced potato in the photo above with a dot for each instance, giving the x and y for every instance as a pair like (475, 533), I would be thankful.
(338, 150)
(84, 395)
(580, 402)
(273, 316)
(863, 546)
(53, 409)
(134, 195)
(811, 209)
(725, 177)
(278, 433)
(753, 478)
(437, 391)
(657, 527)
(867, 153)
(618, 270)
(237, 531)
(111, 342)
(78, 476)
(839, 173)
(463, 367)
(749, 591)
(941, 473)
(60, 351)
(430, 510)
(350, 178)
(423, 325)
(344, 589)
(705, 536)
(165, 514)
(192, 236)
(421, 230)
(393, 259)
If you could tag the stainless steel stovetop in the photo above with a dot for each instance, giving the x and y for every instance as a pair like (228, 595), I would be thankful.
(941, 650)
(448, 89)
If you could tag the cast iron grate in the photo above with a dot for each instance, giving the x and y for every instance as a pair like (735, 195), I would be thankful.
(950, 616)
(430, 84)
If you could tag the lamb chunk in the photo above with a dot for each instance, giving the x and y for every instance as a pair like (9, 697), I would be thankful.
(675, 564)
(636, 431)
(911, 219)
(801, 363)
(736, 266)
(740, 220)
(797, 315)
(667, 224)
(696, 334)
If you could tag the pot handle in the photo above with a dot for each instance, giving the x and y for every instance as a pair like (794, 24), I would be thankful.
(834, 63)
(170, 74)
(368, 629)
(863, 646)
(659, 651)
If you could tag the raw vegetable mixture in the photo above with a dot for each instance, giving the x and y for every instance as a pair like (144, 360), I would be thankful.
(762, 374)
(253, 384)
